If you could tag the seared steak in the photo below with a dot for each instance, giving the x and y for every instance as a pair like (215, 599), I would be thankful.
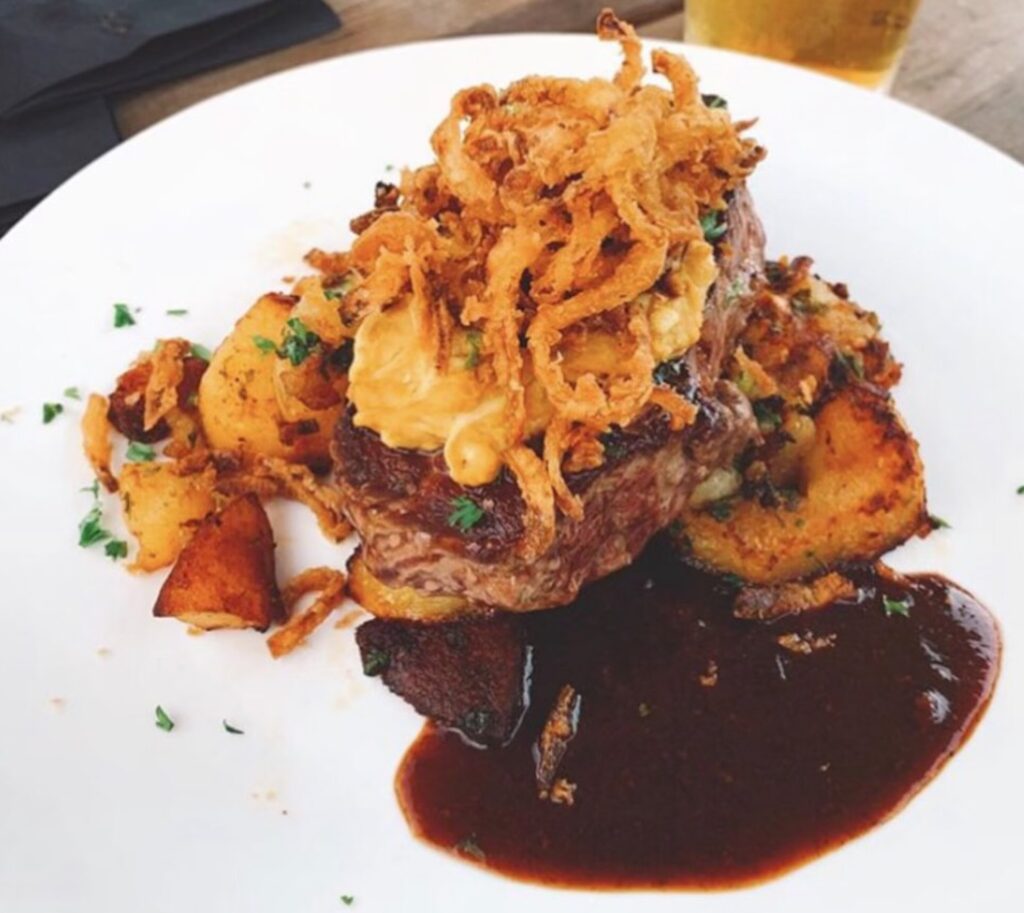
(400, 501)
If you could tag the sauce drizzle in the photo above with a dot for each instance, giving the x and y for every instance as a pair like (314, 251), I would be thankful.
(712, 752)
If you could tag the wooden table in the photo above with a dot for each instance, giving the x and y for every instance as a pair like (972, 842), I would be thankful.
(964, 63)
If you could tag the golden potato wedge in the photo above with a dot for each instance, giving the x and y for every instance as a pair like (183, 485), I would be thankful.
(163, 508)
(398, 602)
(238, 395)
(861, 493)
(224, 577)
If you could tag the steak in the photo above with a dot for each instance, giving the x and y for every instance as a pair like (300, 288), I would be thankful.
(471, 675)
(400, 501)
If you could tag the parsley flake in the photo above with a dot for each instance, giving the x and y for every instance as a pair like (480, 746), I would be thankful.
(851, 365)
(721, 510)
(937, 522)
(714, 101)
(767, 415)
(163, 721)
(199, 351)
(116, 548)
(469, 847)
(123, 316)
(51, 411)
(299, 342)
(342, 288)
(713, 224)
(1020, 490)
(266, 346)
(473, 340)
(94, 488)
(140, 453)
(229, 728)
(375, 662)
(735, 581)
(896, 607)
(90, 530)
(466, 513)
(72, 393)
(347, 899)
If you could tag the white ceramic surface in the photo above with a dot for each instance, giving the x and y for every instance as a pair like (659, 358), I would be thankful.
(101, 812)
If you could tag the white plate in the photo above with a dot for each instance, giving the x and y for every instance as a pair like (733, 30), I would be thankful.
(101, 811)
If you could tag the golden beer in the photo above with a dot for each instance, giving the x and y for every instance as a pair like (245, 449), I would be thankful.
(858, 40)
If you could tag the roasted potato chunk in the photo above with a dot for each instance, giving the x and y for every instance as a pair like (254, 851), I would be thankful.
(128, 401)
(804, 333)
(224, 577)
(162, 509)
(860, 493)
(399, 602)
(239, 396)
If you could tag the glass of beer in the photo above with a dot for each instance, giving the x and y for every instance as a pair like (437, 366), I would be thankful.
(858, 40)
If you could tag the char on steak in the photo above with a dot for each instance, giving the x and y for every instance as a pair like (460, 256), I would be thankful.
(399, 501)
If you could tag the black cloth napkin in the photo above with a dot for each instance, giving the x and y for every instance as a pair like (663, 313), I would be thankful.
(61, 62)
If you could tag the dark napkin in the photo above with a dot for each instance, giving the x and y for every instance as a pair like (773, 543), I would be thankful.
(61, 60)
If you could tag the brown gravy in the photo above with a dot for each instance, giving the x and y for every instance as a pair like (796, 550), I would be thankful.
(707, 754)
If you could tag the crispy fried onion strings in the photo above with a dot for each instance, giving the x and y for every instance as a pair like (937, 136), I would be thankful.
(329, 584)
(553, 210)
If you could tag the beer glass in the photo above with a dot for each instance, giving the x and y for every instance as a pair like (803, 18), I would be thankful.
(858, 40)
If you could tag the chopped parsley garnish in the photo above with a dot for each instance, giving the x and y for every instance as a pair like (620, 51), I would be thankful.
(851, 365)
(466, 513)
(721, 510)
(938, 522)
(90, 530)
(163, 721)
(177, 312)
(469, 847)
(714, 101)
(613, 450)
(767, 415)
(347, 899)
(896, 607)
(299, 342)
(1020, 490)
(266, 346)
(139, 453)
(713, 224)
(94, 488)
(72, 393)
(375, 662)
(116, 548)
(123, 316)
(737, 288)
(335, 292)
(734, 580)
(51, 411)
(473, 340)
(199, 351)
(475, 722)
(229, 728)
